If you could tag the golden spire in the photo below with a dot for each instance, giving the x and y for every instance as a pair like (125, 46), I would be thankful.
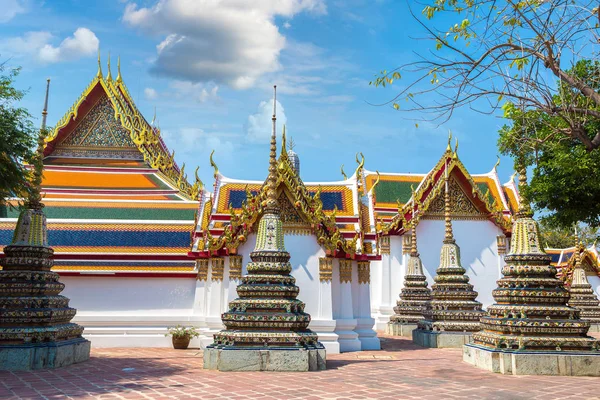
(455, 155)
(108, 74)
(272, 178)
(448, 236)
(34, 198)
(449, 147)
(413, 237)
(524, 206)
(45, 110)
(119, 78)
(283, 142)
(99, 74)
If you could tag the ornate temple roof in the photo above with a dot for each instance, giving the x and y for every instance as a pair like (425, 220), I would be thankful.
(116, 201)
(564, 262)
(330, 210)
(473, 196)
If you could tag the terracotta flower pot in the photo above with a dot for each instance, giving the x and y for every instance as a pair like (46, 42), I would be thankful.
(181, 342)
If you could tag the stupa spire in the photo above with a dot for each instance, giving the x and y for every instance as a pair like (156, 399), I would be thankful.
(582, 295)
(267, 316)
(531, 315)
(415, 295)
(448, 234)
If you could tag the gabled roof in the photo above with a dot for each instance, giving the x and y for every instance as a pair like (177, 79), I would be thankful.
(565, 262)
(127, 141)
(490, 204)
(237, 206)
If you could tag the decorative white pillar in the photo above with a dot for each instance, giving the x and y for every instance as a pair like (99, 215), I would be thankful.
(200, 310)
(323, 322)
(345, 321)
(215, 295)
(364, 323)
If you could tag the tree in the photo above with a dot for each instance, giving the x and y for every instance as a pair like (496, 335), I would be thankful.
(566, 176)
(560, 237)
(16, 138)
(505, 51)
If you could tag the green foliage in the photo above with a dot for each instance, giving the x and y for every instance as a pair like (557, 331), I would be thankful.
(16, 138)
(561, 237)
(181, 331)
(566, 175)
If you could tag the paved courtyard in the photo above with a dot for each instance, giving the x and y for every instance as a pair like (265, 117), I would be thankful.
(400, 371)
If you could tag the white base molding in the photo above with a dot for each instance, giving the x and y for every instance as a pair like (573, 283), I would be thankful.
(398, 329)
(440, 339)
(533, 363)
(297, 360)
(382, 316)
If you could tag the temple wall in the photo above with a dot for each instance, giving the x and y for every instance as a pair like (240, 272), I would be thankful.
(595, 282)
(130, 312)
(478, 249)
(387, 277)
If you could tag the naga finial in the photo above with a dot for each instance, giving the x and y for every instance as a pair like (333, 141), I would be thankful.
(449, 147)
(343, 173)
(455, 155)
(372, 190)
(361, 164)
(108, 74)
(497, 164)
(212, 164)
(119, 78)
(99, 74)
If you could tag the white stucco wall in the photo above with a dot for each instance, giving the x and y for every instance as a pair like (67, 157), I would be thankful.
(478, 249)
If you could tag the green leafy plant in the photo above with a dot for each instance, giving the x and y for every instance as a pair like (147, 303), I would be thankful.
(181, 331)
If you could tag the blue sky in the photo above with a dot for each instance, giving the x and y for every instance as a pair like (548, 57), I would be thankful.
(208, 67)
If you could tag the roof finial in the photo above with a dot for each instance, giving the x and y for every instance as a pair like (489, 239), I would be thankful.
(343, 173)
(119, 78)
(283, 142)
(448, 237)
(449, 147)
(108, 74)
(213, 164)
(154, 117)
(455, 155)
(272, 178)
(99, 74)
(497, 163)
(45, 110)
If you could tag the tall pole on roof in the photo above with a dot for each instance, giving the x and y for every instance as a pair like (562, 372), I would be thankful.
(45, 110)
(272, 179)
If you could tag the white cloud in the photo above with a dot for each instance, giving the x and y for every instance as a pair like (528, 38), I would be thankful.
(83, 43)
(150, 93)
(197, 141)
(231, 42)
(287, 25)
(37, 45)
(10, 8)
(259, 125)
(197, 91)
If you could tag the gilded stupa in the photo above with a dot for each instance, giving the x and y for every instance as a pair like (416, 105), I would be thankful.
(583, 297)
(266, 327)
(530, 330)
(454, 312)
(35, 327)
(414, 296)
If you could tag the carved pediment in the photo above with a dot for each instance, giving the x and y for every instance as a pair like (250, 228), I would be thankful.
(292, 221)
(461, 206)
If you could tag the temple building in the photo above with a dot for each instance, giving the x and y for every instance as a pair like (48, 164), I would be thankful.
(140, 247)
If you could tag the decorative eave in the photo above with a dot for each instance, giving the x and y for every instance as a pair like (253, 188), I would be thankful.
(146, 137)
(432, 185)
(309, 207)
(589, 260)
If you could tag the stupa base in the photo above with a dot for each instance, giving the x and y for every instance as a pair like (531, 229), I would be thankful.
(400, 329)
(292, 360)
(45, 355)
(533, 363)
(440, 339)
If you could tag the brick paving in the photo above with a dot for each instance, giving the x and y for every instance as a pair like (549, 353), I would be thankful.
(400, 371)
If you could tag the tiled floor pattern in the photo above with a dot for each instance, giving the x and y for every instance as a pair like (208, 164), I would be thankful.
(400, 371)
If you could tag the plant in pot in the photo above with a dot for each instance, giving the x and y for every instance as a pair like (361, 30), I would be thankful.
(182, 335)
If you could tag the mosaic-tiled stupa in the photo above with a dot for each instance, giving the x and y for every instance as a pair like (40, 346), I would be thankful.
(454, 312)
(35, 327)
(414, 296)
(582, 296)
(266, 327)
(530, 330)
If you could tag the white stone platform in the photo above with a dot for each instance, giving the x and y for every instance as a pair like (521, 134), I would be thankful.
(398, 329)
(296, 360)
(533, 363)
(440, 339)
